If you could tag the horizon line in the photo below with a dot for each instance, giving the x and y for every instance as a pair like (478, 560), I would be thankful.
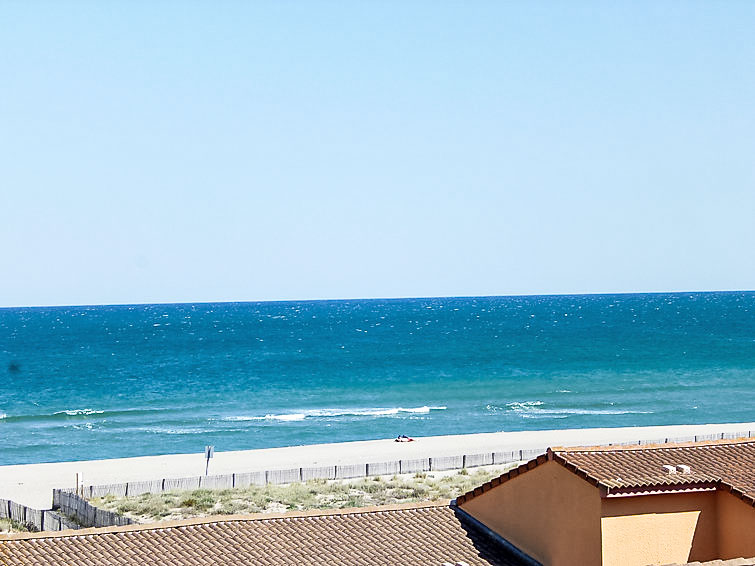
(382, 298)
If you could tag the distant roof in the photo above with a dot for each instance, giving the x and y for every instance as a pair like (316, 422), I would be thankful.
(730, 562)
(720, 464)
(411, 535)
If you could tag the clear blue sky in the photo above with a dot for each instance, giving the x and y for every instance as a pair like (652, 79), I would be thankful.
(203, 151)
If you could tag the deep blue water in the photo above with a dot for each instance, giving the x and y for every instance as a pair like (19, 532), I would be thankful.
(116, 381)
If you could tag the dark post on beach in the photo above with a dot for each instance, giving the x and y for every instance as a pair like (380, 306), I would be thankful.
(209, 452)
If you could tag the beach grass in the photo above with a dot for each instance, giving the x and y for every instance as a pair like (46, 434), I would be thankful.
(313, 494)
(11, 526)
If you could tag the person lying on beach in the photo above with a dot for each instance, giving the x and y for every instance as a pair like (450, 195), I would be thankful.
(403, 438)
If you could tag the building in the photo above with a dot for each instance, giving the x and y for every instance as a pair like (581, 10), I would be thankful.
(626, 505)
(412, 535)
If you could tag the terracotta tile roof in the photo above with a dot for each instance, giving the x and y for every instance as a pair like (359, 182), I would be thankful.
(411, 535)
(731, 562)
(721, 464)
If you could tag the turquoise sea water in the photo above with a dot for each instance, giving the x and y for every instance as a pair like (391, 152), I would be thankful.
(116, 381)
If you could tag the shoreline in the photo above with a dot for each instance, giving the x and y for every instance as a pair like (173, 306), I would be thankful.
(32, 484)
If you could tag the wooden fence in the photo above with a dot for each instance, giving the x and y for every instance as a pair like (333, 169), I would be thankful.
(349, 471)
(36, 519)
(294, 475)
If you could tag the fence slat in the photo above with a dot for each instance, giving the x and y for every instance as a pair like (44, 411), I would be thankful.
(531, 453)
(34, 517)
(181, 484)
(216, 482)
(383, 468)
(50, 521)
(414, 465)
(248, 478)
(318, 473)
(447, 463)
(139, 487)
(292, 475)
(653, 441)
(347, 471)
(474, 460)
(17, 512)
(117, 489)
(506, 457)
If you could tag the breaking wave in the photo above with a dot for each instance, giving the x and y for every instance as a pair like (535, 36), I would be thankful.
(69, 414)
(336, 413)
(536, 410)
(77, 412)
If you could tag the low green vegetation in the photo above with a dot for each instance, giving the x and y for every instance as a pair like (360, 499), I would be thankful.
(315, 494)
(10, 526)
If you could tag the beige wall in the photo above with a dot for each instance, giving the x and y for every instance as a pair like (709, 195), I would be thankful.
(547, 512)
(559, 519)
(660, 529)
(736, 527)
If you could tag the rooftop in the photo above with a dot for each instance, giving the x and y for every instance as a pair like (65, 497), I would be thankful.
(730, 562)
(720, 464)
(411, 535)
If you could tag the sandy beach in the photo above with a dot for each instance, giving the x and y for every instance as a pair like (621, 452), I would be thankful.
(32, 484)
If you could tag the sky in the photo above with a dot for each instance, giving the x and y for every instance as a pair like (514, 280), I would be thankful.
(243, 151)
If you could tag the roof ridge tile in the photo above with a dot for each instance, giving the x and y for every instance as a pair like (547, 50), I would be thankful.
(218, 519)
(654, 446)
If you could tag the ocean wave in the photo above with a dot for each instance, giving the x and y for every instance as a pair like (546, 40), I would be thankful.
(284, 417)
(335, 413)
(179, 431)
(81, 426)
(78, 412)
(521, 405)
(535, 410)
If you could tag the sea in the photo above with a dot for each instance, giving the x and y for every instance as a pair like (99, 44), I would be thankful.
(93, 382)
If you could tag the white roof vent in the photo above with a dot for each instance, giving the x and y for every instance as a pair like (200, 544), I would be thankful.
(669, 469)
(683, 469)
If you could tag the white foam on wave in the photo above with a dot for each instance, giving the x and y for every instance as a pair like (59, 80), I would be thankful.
(534, 410)
(377, 412)
(78, 412)
(524, 405)
(83, 426)
(335, 413)
(284, 417)
(172, 431)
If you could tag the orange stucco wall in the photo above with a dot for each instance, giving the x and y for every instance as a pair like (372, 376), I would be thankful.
(736, 527)
(560, 519)
(547, 512)
(660, 529)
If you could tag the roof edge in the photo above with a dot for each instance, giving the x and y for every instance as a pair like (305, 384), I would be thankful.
(498, 539)
(196, 521)
(654, 446)
(662, 489)
(726, 487)
(506, 476)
